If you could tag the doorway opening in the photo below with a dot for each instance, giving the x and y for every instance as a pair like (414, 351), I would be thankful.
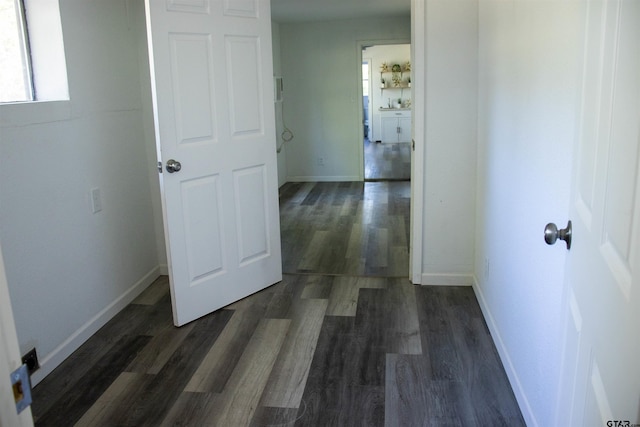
(386, 112)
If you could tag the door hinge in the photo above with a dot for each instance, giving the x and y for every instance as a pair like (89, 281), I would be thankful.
(413, 144)
(159, 167)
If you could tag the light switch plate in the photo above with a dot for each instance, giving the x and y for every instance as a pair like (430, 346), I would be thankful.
(96, 200)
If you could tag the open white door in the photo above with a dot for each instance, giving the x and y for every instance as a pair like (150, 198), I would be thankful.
(212, 87)
(9, 359)
(601, 374)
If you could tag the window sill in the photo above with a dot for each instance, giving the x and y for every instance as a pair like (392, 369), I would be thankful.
(34, 112)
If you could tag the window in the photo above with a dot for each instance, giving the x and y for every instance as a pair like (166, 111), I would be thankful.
(16, 83)
(32, 60)
(365, 79)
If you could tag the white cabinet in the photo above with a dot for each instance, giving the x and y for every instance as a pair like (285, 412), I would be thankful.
(395, 125)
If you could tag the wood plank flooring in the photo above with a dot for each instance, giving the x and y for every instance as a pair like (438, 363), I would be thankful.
(387, 161)
(350, 228)
(317, 349)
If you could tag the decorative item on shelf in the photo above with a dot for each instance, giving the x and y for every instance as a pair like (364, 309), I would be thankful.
(399, 103)
(396, 78)
(384, 68)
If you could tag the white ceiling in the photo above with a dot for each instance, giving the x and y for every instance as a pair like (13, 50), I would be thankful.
(331, 10)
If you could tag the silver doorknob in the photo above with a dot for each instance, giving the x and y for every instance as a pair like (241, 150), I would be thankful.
(552, 234)
(173, 166)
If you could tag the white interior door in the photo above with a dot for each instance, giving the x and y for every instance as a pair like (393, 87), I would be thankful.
(9, 359)
(211, 71)
(601, 380)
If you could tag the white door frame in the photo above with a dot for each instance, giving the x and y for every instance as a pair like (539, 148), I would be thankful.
(360, 45)
(418, 132)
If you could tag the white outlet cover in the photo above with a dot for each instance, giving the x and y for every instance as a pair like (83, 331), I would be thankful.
(96, 200)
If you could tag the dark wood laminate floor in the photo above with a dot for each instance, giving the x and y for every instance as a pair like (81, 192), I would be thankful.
(387, 161)
(317, 349)
(353, 228)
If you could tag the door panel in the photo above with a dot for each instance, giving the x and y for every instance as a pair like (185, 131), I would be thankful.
(246, 8)
(211, 70)
(623, 148)
(191, 67)
(245, 85)
(193, 6)
(253, 222)
(203, 228)
(602, 374)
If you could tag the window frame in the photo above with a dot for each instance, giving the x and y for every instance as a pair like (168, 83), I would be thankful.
(23, 48)
(26, 50)
(42, 30)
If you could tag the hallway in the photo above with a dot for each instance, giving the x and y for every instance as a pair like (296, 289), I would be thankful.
(343, 340)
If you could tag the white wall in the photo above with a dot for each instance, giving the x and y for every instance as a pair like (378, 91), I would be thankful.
(528, 76)
(320, 67)
(69, 270)
(391, 54)
(450, 141)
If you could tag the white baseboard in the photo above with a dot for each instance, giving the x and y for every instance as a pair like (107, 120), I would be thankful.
(71, 344)
(430, 279)
(514, 380)
(163, 269)
(323, 178)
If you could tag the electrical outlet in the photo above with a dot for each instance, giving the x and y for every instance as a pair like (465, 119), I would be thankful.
(31, 360)
(320, 161)
(96, 200)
